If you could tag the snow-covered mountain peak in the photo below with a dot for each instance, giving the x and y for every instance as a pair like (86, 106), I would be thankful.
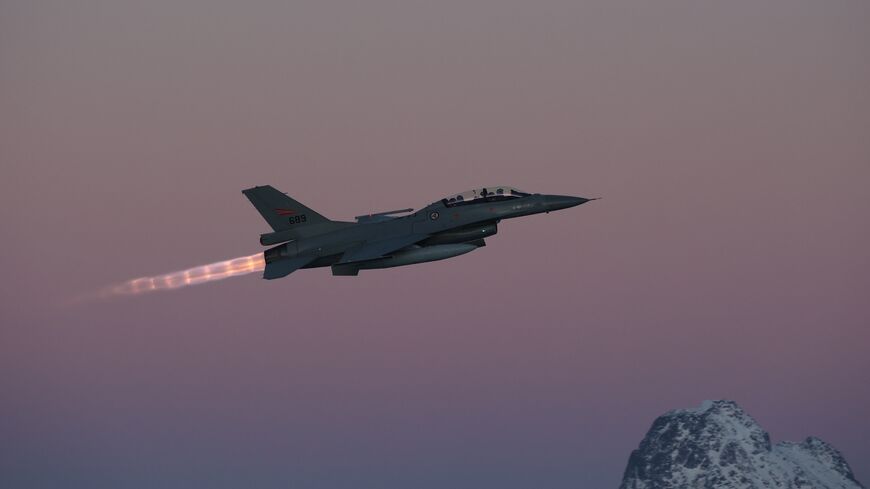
(718, 445)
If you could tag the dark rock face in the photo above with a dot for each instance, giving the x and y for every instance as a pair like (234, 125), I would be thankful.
(718, 445)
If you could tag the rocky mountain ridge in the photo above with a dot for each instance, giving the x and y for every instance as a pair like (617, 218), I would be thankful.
(718, 445)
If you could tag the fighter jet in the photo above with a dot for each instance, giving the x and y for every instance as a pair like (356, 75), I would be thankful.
(444, 229)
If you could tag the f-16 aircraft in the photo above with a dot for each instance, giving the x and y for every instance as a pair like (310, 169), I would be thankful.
(444, 229)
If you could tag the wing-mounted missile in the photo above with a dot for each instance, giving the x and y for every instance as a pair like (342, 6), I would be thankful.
(381, 216)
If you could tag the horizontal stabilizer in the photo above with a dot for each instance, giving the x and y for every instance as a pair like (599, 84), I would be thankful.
(347, 270)
(286, 266)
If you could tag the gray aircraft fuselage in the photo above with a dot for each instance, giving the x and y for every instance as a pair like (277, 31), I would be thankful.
(444, 229)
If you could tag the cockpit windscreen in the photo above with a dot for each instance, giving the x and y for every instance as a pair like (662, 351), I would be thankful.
(486, 194)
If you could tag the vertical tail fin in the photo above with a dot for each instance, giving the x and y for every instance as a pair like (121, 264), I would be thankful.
(281, 211)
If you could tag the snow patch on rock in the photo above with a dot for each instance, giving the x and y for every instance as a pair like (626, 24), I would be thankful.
(718, 445)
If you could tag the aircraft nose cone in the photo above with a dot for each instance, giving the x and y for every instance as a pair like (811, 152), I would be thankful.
(556, 202)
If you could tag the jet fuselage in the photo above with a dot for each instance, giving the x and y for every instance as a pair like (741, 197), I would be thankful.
(443, 229)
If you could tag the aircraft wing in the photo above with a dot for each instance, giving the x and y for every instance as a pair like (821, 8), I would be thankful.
(376, 249)
(282, 268)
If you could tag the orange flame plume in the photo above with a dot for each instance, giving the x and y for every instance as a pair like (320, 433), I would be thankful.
(192, 276)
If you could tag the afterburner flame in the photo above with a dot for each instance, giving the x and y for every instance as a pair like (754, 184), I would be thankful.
(192, 276)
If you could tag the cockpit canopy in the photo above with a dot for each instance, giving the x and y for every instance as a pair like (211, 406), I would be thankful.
(486, 194)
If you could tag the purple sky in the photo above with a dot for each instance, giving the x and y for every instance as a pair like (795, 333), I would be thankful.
(728, 259)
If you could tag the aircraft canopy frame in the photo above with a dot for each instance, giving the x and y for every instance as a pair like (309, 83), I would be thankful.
(498, 192)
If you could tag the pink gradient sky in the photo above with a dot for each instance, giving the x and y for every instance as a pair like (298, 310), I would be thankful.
(728, 259)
